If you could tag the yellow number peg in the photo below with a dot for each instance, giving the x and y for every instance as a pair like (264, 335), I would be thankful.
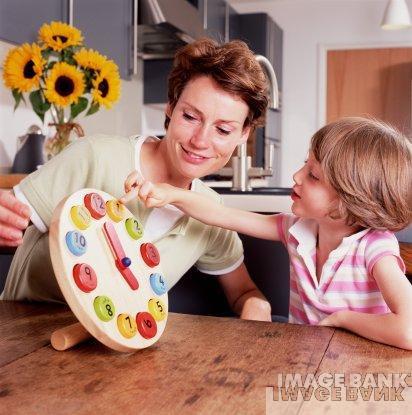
(127, 325)
(80, 217)
(115, 210)
(157, 309)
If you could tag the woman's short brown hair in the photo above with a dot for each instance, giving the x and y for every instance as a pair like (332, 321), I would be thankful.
(369, 164)
(231, 65)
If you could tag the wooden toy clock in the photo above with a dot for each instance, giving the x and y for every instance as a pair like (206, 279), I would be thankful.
(108, 273)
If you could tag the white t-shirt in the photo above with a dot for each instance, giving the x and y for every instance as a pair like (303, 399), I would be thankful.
(160, 221)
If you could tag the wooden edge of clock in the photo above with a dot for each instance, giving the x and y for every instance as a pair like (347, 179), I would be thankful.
(71, 299)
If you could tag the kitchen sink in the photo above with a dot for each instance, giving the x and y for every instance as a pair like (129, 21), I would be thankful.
(280, 191)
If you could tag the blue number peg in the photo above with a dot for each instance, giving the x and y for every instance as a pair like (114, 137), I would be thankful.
(158, 284)
(76, 243)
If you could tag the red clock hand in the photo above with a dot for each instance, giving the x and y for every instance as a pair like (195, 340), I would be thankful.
(121, 261)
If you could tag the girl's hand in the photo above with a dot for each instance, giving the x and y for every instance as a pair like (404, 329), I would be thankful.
(152, 195)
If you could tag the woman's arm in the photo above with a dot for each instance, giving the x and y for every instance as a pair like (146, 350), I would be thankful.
(204, 209)
(243, 296)
(393, 328)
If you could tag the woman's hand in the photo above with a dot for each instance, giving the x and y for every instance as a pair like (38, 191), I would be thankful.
(14, 218)
(152, 195)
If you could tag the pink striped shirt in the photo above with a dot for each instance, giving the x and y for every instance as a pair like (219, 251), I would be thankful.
(346, 281)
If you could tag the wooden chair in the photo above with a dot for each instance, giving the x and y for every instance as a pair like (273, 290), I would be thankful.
(406, 254)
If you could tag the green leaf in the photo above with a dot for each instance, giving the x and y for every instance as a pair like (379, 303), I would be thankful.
(76, 109)
(40, 106)
(51, 64)
(18, 96)
(46, 53)
(93, 108)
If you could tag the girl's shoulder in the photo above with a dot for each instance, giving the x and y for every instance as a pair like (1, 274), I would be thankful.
(380, 243)
(376, 237)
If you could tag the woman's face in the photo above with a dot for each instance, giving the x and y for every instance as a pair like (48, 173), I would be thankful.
(205, 127)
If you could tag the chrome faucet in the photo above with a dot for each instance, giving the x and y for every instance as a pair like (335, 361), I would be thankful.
(241, 170)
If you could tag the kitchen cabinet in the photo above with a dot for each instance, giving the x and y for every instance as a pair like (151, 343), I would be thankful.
(262, 35)
(155, 73)
(20, 20)
(213, 13)
(107, 27)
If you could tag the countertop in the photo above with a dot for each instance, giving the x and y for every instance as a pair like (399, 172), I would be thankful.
(7, 181)
(260, 199)
(201, 365)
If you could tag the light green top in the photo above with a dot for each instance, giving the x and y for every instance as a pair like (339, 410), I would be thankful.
(103, 162)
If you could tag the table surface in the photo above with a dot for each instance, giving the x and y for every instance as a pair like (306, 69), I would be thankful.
(201, 365)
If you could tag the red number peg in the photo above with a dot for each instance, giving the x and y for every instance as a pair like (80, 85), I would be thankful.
(150, 254)
(85, 277)
(95, 205)
(146, 325)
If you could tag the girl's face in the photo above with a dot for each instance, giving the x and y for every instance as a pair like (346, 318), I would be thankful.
(205, 127)
(313, 196)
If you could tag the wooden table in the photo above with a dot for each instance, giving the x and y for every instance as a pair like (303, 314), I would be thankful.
(201, 365)
(7, 181)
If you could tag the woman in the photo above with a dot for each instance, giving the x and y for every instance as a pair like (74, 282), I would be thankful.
(216, 95)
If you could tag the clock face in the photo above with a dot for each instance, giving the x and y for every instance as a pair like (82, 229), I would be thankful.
(109, 274)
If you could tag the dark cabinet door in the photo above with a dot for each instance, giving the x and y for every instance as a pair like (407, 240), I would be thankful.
(262, 35)
(213, 14)
(107, 26)
(268, 266)
(20, 20)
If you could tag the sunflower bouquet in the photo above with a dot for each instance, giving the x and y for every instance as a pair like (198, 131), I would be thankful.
(61, 76)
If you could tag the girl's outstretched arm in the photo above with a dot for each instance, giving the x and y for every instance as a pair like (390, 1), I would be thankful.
(394, 328)
(203, 209)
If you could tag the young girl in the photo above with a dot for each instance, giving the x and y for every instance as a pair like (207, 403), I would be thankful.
(353, 191)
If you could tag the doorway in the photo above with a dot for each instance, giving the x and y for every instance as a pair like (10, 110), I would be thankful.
(375, 82)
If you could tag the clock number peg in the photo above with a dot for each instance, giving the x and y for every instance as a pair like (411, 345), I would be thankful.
(76, 242)
(157, 309)
(104, 308)
(81, 217)
(146, 324)
(115, 210)
(134, 229)
(150, 254)
(85, 277)
(158, 283)
(95, 205)
(126, 325)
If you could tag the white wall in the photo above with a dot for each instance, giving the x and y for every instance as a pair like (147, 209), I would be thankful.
(308, 25)
(124, 118)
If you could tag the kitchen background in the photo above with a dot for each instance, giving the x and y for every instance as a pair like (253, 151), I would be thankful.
(310, 28)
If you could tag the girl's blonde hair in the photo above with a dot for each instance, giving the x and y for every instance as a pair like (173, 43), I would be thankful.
(369, 164)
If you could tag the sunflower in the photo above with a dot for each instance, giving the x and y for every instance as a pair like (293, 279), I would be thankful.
(58, 36)
(64, 85)
(23, 67)
(90, 59)
(106, 87)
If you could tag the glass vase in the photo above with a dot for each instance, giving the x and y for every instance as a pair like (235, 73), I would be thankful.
(64, 135)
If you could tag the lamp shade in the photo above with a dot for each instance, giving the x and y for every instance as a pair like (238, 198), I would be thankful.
(396, 16)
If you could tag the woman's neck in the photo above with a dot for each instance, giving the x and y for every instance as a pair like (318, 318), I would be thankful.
(157, 168)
